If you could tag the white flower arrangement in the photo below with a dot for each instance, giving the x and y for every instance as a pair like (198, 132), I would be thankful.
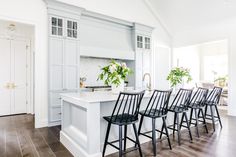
(114, 73)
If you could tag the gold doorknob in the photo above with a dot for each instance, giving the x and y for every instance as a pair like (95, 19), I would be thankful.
(13, 86)
(8, 86)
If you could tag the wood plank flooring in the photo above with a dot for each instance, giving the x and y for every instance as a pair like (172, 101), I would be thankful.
(18, 138)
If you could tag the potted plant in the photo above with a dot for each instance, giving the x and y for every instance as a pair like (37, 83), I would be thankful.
(178, 76)
(115, 74)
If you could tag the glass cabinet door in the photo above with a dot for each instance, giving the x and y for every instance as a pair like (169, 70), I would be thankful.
(139, 41)
(57, 26)
(147, 43)
(72, 29)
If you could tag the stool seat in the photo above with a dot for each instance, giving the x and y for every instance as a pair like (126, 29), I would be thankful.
(211, 103)
(178, 109)
(154, 113)
(122, 119)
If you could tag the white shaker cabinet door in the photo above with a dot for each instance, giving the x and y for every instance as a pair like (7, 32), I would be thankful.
(139, 69)
(56, 63)
(71, 64)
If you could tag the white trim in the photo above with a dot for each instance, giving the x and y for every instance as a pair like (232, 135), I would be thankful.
(41, 123)
(74, 148)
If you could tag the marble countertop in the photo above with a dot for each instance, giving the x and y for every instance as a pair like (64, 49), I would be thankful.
(97, 96)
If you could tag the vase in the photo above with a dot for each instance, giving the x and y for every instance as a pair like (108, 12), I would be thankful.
(177, 88)
(118, 88)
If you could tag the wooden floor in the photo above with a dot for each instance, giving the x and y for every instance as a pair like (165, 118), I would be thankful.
(18, 138)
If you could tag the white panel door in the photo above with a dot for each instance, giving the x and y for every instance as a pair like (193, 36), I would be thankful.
(5, 64)
(19, 76)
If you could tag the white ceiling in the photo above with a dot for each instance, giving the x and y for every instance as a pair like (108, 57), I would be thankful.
(181, 15)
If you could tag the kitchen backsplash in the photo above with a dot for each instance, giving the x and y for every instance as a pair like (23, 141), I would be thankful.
(90, 68)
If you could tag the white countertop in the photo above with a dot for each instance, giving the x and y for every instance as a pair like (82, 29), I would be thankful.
(97, 96)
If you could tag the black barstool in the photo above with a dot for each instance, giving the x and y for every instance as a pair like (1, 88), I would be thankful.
(124, 113)
(178, 106)
(212, 101)
(197, 103)
(157, 108)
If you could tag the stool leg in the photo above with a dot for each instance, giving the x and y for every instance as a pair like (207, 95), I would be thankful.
(191, 116)
(137, 140)
(120, 141)
(206, 110)
(218, 115)
(140, 125)
(125, 137)
(189, 130)
(204, 120)
(213, 118)
(178, 128)
(162, 129)
(139, 128)
(174, 124)
(181, 122)
(166, 130)
(106, 139)
(196, 117)
(154, 136)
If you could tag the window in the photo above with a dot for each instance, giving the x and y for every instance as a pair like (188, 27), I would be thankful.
(57, 25)
(72, 29)
(139, 41)
(147, 43)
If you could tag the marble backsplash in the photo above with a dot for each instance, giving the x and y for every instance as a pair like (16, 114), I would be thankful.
(90, 68)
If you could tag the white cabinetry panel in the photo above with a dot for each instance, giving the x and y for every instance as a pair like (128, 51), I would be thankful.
(56, 51)
(63, 63)
(71, 77)
(56, 77)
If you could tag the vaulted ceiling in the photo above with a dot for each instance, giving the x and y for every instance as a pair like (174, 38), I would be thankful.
(180, 15)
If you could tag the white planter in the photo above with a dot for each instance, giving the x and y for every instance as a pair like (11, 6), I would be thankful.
(117, 89)
(177, 88)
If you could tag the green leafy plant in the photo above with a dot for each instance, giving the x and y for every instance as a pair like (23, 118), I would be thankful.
(114, 73)
(221, 81)
(178, 75)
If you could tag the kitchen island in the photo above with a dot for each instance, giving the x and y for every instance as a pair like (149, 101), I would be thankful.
(83, 127)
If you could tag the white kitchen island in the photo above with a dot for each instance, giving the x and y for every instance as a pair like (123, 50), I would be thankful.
(83, 127)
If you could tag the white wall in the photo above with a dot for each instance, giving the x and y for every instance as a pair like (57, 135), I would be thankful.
(34, 12)
(215, 31)
(188, 57)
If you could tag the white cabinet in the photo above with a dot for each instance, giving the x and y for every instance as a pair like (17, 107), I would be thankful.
(143, 52)
(63, 62)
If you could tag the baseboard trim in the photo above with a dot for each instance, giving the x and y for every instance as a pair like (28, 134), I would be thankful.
(74, 148)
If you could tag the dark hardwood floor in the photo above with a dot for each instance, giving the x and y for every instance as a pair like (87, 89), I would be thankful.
(18, 138)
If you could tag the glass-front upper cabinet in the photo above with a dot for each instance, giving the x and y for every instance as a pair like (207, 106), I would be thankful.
(143, 42)
(140, 41)
(56, 26)
(147, 43)
(72, 29)
(63, 27)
